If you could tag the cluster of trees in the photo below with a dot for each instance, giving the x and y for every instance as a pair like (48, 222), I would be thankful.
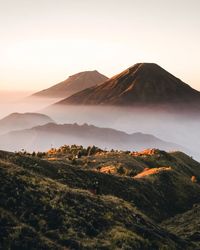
(35, 154)
(74, 151)
(70, 151)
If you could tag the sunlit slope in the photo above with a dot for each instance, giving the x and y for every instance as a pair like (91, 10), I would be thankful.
(143, 84)
(73, 84)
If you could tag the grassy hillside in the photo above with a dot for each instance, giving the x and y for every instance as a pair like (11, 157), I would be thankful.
(46, 202)
(186, 225)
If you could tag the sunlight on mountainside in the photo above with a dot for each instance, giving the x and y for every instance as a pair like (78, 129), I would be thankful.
(151, 171)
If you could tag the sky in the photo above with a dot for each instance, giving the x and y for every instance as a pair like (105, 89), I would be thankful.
(45, 41)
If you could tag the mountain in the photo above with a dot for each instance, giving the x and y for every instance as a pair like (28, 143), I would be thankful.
(17, 121)
(143, 84)
(73, 84)
(43, 137)
(48, 201)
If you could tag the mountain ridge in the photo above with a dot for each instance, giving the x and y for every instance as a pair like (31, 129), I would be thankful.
(73, 84)
(17, 121)
(141, 84)
(47, 203)
(43, 136)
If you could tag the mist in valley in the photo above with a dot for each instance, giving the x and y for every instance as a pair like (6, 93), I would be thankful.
(174, 126)
(21, 101)
(178, 128)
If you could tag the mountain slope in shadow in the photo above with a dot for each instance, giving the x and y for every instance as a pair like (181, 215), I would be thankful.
(48, 204)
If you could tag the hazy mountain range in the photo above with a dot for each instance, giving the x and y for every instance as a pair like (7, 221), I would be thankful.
(44, 137)
(144, 98)
(132, 101)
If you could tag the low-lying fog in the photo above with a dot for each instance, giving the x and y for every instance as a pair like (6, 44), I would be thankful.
(21, 102)
(181, 129)
(178, 127)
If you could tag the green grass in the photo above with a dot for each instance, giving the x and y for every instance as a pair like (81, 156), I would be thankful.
(48, 205)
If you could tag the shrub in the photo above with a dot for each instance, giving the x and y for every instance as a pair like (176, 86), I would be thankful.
(194, 179)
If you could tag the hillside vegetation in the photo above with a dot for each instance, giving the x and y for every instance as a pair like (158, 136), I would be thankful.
(48, 199)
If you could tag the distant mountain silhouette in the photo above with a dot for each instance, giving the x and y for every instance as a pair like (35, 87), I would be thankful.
(42, 137)
(18, 121)
(73, 84)
(142, 84)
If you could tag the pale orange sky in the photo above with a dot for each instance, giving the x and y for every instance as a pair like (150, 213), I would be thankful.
(44, 41)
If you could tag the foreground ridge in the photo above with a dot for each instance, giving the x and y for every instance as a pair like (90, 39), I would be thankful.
(63, 195)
